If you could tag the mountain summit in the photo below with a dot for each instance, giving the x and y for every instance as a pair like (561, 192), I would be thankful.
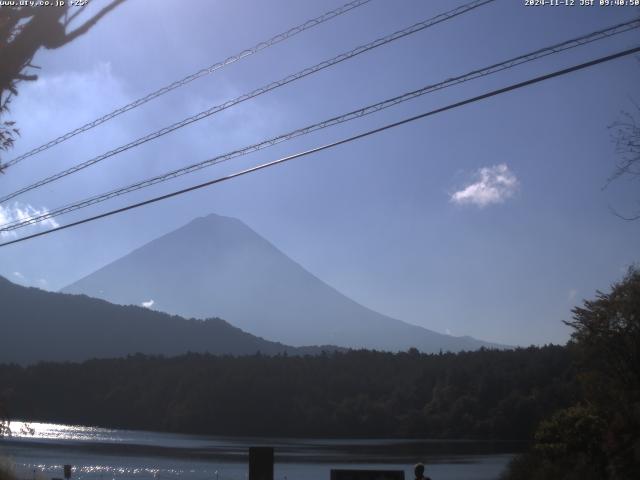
(217, 266)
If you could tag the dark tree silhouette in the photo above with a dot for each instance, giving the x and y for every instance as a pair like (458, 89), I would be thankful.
(23, 31)
(599, 437)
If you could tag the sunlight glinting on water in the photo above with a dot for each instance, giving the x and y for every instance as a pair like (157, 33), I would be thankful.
(40, 471)
(54, 431)
(39, 451)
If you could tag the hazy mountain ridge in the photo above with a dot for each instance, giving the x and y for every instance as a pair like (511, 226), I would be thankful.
(47, 326)
(218, 266)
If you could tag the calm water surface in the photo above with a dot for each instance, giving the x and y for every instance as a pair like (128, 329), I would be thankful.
(105, 454)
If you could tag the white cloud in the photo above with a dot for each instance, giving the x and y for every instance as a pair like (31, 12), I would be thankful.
(20, 212)
(18, 274)
(148, 304)
(493, 185)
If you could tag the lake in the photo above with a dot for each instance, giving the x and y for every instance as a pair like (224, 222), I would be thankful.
(105, 454)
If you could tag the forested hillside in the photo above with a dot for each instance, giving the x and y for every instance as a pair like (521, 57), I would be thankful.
(37, 326)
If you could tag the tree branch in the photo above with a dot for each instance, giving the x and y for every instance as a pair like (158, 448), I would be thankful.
(90, 23)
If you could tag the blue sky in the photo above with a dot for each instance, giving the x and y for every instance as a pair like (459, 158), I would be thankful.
(490, 220)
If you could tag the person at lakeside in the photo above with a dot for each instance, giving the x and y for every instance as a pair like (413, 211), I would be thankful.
(419, 472)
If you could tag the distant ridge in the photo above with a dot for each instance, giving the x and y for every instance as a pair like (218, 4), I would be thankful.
(218, 266)
(44, 326)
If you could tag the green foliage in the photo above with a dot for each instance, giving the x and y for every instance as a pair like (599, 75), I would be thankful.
(577, 430)
(533, 466)
(599, 437)
(487, 394)
(606, 338)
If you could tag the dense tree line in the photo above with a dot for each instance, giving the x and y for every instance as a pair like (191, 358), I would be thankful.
(484, 394)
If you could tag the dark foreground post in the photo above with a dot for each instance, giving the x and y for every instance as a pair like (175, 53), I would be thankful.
(261, 463)
(367, 474)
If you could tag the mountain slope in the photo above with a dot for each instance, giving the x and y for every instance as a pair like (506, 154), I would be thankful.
(41, 326)
(218, 266)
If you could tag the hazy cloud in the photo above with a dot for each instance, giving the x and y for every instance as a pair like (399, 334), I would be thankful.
(19, 212)
(573, 293)
(493, 185)
(62, 101)
(18, 274)
(148, 304)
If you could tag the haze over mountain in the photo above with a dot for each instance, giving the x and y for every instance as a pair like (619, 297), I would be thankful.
(42, 326)
(217, 266)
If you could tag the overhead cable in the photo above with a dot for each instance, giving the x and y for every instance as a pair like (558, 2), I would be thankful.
(247, 96)
(368, 133)
(190, 78)
(497, 67)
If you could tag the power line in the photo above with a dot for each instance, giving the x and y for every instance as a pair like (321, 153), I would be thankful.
(247, 96)
(513, 62)
(194, 76)
(262, 166)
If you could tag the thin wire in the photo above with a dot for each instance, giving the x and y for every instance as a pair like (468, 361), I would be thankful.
(452, 106)
(513, 62)
(190, 78)
(271, 86)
